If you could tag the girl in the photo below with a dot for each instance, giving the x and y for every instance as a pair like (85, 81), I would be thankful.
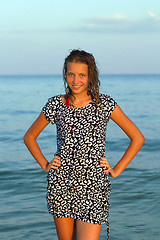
(78, 183)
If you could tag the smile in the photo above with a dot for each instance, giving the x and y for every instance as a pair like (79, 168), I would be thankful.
(76, 87)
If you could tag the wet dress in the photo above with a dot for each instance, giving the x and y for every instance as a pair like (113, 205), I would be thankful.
(79, 188)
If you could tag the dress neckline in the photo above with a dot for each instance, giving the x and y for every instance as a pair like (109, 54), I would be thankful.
(66, 104)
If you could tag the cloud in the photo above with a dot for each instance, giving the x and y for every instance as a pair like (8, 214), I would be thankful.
(119, 23)
(116, 23)
(154, 16)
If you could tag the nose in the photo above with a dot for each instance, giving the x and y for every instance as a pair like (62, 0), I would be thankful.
(76, 80)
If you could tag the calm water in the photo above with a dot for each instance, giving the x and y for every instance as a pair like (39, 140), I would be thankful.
(135, 197)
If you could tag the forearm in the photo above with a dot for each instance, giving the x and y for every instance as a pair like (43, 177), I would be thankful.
(132, 150)
(35, 150)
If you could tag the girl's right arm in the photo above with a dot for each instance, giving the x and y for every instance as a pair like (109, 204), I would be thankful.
(30, 140)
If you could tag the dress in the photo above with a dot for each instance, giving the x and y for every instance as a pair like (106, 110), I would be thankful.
(79, 188)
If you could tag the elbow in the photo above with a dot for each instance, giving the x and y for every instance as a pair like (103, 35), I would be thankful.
(143, 140)
(140, 140)
(27, 138)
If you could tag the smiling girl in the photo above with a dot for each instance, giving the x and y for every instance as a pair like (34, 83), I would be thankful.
(78, 176)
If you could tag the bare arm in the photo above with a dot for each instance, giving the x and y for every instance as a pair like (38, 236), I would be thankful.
(32, 145)
(136, 137)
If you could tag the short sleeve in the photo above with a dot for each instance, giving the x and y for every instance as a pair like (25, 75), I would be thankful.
(50, 110)
(108, 104)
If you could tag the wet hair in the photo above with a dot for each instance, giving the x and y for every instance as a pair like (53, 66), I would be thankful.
(80, 56)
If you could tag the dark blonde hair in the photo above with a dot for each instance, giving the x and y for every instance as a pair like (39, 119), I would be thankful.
(81, 56)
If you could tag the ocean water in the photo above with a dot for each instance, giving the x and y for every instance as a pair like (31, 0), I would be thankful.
(135, 196)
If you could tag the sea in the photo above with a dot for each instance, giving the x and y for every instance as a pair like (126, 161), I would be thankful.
(135, 195)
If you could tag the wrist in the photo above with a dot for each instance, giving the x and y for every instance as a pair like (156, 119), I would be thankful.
(46, 168)
(115, 174)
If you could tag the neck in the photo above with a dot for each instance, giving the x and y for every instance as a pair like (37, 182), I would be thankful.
(78, 100)
(81, 96)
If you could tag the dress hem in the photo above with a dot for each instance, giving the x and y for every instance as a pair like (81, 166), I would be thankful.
(78, 218)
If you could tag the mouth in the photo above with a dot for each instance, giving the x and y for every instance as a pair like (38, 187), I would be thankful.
(76, 87)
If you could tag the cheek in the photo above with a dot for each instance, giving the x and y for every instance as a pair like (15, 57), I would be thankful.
(86, 82)
(69, 80)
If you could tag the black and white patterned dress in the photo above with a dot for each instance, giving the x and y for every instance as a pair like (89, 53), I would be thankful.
(79, 188)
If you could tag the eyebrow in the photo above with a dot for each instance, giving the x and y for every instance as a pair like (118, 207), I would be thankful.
(79, 73)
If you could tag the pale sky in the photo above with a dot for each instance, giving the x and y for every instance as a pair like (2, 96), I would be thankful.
(36, 35)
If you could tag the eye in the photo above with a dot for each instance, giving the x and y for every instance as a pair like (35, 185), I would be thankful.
(70, 74)
(82, 75)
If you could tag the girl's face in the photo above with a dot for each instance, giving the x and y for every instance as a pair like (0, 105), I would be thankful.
(77, 77)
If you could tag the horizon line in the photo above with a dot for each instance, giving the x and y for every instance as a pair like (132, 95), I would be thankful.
(59, 74)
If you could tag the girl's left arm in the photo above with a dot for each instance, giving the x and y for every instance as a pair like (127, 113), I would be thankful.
(136, 137)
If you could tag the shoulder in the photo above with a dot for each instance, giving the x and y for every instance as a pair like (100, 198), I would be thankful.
(54, 98)
(106, 99)
(108, 104)
(53, 101)
(51, 107)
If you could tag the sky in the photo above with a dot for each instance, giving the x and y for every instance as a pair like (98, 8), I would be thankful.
(37, 35)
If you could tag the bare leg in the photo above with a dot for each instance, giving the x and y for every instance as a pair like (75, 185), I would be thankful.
(65, 228)
(87, 231)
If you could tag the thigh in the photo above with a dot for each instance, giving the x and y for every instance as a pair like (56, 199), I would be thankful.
(87, 231)
(65, 228)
